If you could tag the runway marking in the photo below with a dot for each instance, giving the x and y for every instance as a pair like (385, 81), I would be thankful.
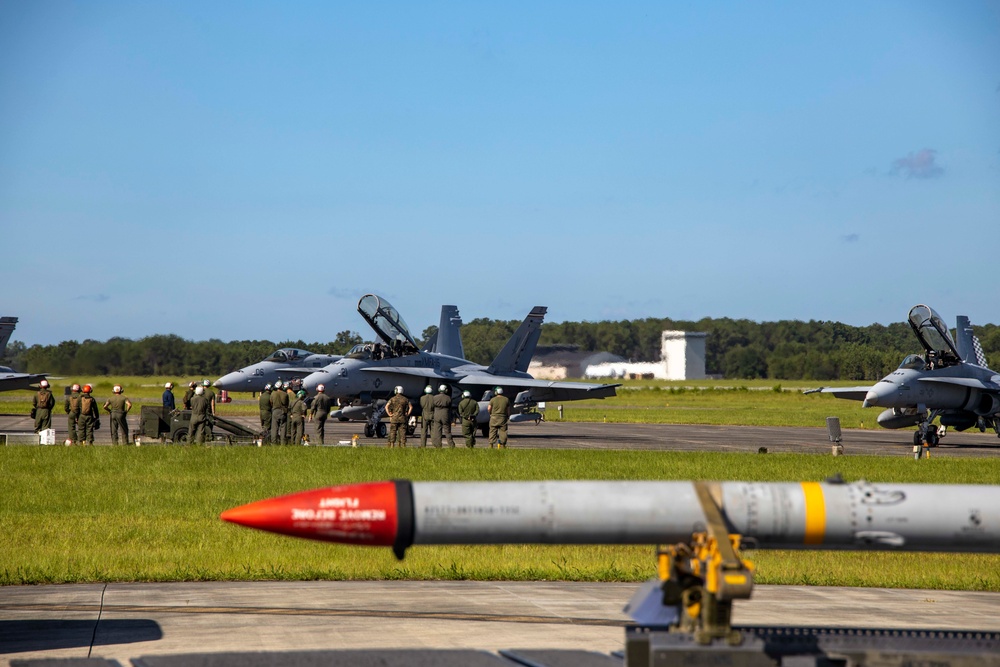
(291, 611)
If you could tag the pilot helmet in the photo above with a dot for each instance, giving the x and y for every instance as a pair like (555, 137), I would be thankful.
(199, 390)
(320, 387)
(443, 388)
(466, 394)
(499, 390)
(428, 389)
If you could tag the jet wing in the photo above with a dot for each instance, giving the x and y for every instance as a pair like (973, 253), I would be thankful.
(544, 390)
(10, 381)
(850, 393)
(413, 371)
(965, 382)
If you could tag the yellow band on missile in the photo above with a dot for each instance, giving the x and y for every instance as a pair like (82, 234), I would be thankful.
(815, 513)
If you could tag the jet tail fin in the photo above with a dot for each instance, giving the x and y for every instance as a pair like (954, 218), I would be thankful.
(517, 352)
(7, 325)
(449, 333)
(967, 343)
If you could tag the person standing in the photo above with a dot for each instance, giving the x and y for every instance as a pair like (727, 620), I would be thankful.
(118, 405)
(199, 417)
(168, 398)
(321, 411)
(279, 413)
(297, 417)
(442, 417)
(426, 414)
(90, 417)
(73, 413)
(499, 409)
(290, 393)
(188, 395)
(468, 410)
(264, 405)
(41, 407)
(398, 408)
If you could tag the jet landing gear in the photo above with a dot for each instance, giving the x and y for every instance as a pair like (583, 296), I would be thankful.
(928, 434)
(374, 427)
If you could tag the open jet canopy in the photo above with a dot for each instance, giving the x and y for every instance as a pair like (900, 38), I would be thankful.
(387, 323)
(933, 334)
(287, 354)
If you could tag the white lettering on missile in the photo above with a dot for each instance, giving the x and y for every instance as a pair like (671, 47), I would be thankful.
(340, 502)
(338, 515)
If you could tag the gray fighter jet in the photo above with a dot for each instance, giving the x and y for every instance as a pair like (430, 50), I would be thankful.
(289, 363)
(370, 374)
(950, 381)
(10, 379)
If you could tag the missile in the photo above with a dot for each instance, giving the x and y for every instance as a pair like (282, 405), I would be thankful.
(807, 515)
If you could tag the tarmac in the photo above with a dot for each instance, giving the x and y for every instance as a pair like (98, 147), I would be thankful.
(444, 623)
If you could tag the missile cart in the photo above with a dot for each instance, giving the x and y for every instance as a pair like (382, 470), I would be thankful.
(162, 424)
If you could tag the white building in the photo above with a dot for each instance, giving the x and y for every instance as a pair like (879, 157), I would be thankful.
(682, 357)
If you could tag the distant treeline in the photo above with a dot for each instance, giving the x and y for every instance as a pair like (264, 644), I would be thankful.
(787, 350)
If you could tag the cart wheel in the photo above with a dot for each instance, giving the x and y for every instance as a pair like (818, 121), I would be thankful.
(369, 431)
(180, 436)
(382, 429)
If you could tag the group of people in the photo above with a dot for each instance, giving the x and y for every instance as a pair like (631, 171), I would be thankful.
(284, 410)
(436, 416)
(82, 413)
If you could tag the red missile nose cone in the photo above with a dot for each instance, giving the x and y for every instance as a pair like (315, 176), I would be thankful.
(352, 514)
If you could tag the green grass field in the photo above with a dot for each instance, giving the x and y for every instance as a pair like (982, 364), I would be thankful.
(151, 514)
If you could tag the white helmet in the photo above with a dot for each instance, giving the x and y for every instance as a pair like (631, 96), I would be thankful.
(199, 390)
(399, 389)
(267, 387)
(277, 384)
(117, 389)
(169, 385)
(43, 384)
(428, 389)
(466, 394)
(320, 387)
(75, 387)
(499, 390)
(443, 388)
(206, 382)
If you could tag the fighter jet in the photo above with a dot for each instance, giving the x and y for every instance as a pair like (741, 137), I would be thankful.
(9, 379)
(290, 363)
(370, 374)
(950, 381)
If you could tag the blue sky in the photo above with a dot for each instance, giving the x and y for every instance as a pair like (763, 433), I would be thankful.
(245, 170)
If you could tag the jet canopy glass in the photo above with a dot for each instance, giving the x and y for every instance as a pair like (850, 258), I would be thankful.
(387, 324)
(286, 354)
(933, 334)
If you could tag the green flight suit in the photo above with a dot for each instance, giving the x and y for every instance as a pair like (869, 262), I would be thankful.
(468, 410)
(321, 411)
(41, 408)
(442, 419)
(398, 408)
(426, 417)
(297, 421)
(265, 414)
(118, 406)
(279, 413)
(499, 416)
(73, 415)
(200, 411)
(89, 418)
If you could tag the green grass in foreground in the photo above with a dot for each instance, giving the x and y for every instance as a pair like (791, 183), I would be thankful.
(151, 514)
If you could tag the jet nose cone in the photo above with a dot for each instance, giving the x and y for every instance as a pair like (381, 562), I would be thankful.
(229, 382)
(871, 399)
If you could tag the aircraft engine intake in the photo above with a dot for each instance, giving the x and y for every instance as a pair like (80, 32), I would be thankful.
(988, 404)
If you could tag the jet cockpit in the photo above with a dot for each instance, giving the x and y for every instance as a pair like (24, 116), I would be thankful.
(288, 354)
(388, 325)
(934, 336)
